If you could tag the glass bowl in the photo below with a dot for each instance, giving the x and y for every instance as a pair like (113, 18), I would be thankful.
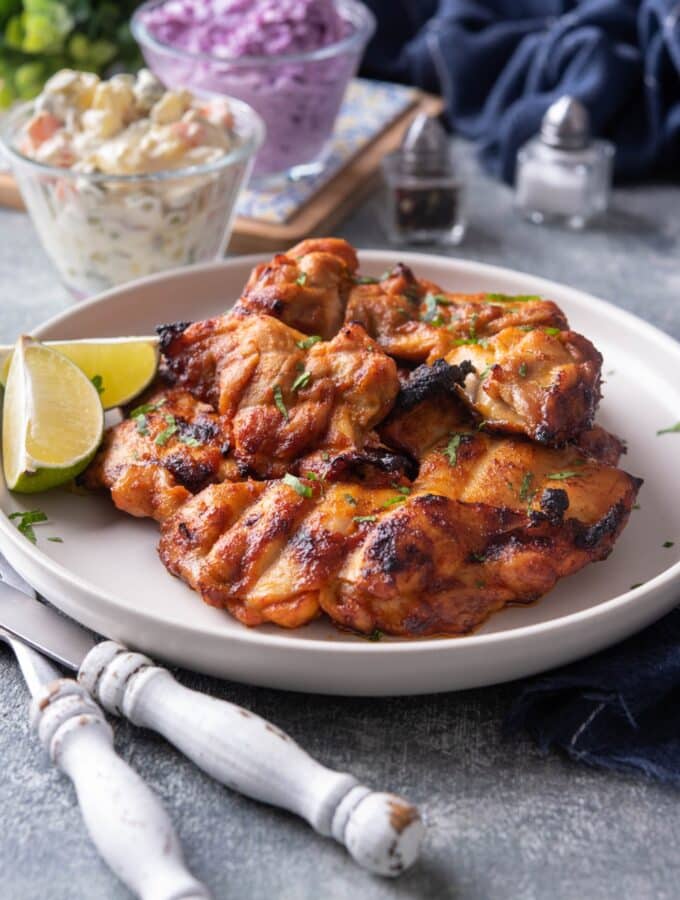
(298, 95)
(101, 230)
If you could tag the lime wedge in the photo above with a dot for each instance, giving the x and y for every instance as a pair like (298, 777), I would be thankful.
(52, 419)
(120, 368)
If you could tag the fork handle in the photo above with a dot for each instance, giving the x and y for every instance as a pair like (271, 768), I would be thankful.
(125, 819)
(250, 755)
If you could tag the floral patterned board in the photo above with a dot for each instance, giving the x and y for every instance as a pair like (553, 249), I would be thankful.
(368, 109)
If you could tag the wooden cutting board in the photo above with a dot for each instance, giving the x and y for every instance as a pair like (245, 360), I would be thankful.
(324, 210)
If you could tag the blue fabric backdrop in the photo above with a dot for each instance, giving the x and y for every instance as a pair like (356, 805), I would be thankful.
(619, 709)
(500, 63)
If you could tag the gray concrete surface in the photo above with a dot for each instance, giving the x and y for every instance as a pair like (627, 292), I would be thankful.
(504, 821)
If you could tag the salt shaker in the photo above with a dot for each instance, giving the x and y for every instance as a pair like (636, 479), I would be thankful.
(424, 192)
(563, 175)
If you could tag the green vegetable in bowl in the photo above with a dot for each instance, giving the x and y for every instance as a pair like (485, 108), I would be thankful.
(39, 37)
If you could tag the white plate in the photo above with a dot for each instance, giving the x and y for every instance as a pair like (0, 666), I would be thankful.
(107, 575)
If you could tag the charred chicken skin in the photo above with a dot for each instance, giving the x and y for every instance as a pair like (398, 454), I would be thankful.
(398, 457)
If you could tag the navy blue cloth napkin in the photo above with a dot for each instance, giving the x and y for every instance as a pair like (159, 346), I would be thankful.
(619, 709)
(501, 63)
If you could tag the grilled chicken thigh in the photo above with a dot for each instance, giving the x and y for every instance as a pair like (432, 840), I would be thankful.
(415, 320)
(170, 447)
(532, 375)
(307, 287)
(283, 393)
(265, 399)
(407, 560)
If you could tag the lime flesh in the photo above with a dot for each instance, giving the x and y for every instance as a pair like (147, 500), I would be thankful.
(53, 419)
(120, 367)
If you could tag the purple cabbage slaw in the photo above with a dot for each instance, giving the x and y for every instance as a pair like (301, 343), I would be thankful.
(246, 48)
(237, 28)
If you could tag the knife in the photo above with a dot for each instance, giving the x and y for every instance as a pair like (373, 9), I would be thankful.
(125, 819)
(381, 831)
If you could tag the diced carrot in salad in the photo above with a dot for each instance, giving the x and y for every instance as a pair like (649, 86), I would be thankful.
(41, 127)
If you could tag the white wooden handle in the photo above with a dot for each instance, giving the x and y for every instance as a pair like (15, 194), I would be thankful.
(381, 831)
(126, 821)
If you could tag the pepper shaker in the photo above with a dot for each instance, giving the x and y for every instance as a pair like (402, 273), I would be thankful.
(563, 175)
(424, 192)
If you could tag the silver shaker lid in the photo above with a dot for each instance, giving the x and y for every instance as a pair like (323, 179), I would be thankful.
(425, 148)
(566, 124)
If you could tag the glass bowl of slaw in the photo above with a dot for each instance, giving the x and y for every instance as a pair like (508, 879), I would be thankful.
(297, 92)
(101, 230)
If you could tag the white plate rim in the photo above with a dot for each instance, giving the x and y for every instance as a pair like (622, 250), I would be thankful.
(439, 644)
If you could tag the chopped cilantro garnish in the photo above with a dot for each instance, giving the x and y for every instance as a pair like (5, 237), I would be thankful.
(560, 476)
(309, 341)
(375, 635)
(30, 517)
(392, 501)
(167, 433)
(511, 298)
(636, 585)
(636, 506)
(402, 488)
(671, 430)
(360, 519)
(451, 452)
(147, 408)
(526, 489)
(301, 381)
(473, 327)
(293, 481)
(482, 425)
(98, 382)
(56, 540)
(278, 401)
(461, 342)
(301, 279)
(440, 300)
(141, 423)
(667, 544)
(350, 499)
(365, 279)
(526, 327)
(325, 455)
(189, 440)
(523, 370)
(26, 522)
(431, 315)
(478, 557)
(486, 371)
(551, 330)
